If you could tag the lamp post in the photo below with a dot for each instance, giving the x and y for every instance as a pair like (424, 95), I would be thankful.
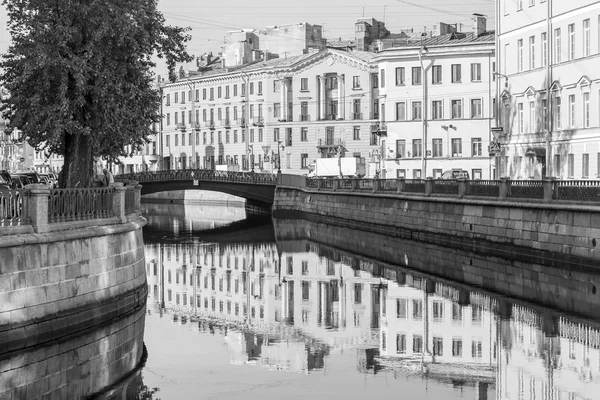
(499, 127)
(279, 147)
(251, 148)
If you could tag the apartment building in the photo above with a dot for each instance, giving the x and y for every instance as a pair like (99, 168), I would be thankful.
(294, 109)
(548, 57)
(436, 104)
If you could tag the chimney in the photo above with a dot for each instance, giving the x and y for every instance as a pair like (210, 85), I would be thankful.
(181, 72)
(479, 24)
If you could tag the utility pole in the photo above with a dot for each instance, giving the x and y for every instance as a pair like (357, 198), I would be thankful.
(246, 116)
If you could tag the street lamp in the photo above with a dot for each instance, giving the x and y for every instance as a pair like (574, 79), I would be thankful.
(279, 147)
(251, 148)
(505, 97)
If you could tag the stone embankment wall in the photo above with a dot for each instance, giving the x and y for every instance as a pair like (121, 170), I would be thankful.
(505, 227)
(64, 281)
(100, 360)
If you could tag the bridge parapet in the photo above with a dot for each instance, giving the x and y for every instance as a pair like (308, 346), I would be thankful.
(202, 175)
(40, 209)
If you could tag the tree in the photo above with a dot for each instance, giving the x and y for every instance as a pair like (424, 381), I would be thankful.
(79, 74)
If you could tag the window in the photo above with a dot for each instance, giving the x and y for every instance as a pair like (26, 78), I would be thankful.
(356, 82)
(532, 115)
(356, 133)
(519, 5)
(572, 111)
(586, 38)
(401, 308)
(456, 347)
(585, 165)
(416, 174)
(437, 148)
(260, 88)
(476, 147)
(401, 111)
(251, 87)
(438, 346)
(400, 173)
(532, 52)
(456, 75)
(586, 110)
(382, 76)
(456, 147)
(476, 349)
(557, 165)
(400, 77)
(288, 136)
(436, 109)
(557, 46)
(476, 111)
(457, 313)
(557, 120)
(416, 110)
(476, 174)
(304, 134)
(570, 165)
(276, 110)
(417, 344)
(571, 47)
(305, 290)
(456, 109)
(520, 117)
(438, 311)
(401, 343)
(531, 3)
(375, 80)
(476, 72)
(417, 148)
(544, 49)
(416, 75)
(303, 84)
(358, 288)
(168, 119)
(304, 161)
(219, 92)
(400, 148)
(437, 173)
(436, 74)
(520, 54)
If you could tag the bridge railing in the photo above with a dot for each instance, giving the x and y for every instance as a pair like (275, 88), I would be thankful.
(40, 209)
(522, 190)
(257, 178)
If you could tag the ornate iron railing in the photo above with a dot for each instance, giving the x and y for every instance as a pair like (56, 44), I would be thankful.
(526, 189)
(364, 184)
(484, 188)
(414, 186)
(130, 202)
(11, 208)
(387, 185)
(66, 205)
(345, 184)
(577, 190)
(202, 175)
(445, 186)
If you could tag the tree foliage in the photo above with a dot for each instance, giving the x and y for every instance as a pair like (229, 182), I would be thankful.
(79, 74)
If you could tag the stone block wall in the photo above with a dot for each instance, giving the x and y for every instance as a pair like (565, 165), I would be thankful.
(565, 229)
(77, 366)
(64, 281)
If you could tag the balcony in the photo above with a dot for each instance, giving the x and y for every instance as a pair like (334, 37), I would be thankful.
(286, 119)
(258, 121)
(227, 123)
(331, 117)
(181, 127)
(357, 116)
(210, 125)
(241, 122)
(379, 128)
(304, 118)
(331, 142)
(197, 127)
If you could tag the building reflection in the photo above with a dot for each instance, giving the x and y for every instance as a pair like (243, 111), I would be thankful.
(290, 305)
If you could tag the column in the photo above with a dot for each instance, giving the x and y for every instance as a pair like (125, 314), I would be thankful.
(323, 302)
(283, 89)
(322, 100)
(341, 95)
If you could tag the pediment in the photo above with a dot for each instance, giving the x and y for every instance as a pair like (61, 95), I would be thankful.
(530, 92)
(556, 86)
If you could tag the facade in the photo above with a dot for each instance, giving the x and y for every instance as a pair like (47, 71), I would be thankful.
(437, 105)
(296, 109)
(548, 55)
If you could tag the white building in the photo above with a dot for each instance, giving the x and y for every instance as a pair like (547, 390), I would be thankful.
(548, 54)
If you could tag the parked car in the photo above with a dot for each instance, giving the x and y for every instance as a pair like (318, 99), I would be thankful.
(53, 183)
(456, 174)
(33, 176)
(19, 182)
(5, 178)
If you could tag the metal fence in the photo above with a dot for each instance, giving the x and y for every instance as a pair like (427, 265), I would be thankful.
(526, 189)
(257, 178)
(130, 199)
(484, 188)
(66, 205)
(11, 208)
(577, 190)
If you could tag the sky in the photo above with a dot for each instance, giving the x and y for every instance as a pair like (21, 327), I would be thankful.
(210, 21)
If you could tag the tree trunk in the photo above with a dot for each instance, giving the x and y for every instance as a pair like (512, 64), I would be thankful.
(77, 171)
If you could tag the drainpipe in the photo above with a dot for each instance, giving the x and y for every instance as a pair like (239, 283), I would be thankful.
(246, 79)
(548, 124)
(424, 116)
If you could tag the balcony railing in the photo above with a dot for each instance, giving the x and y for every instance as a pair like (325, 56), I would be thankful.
(241, 122)
(258, 121)
(304, 118)
(331, 142)
(379, 128)
(180, 127)
(227, 123)
(210, 124)
(332, 117)
(357, 116)
(197, 126)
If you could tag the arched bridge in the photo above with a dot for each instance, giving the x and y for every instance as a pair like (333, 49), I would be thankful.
(257, 188)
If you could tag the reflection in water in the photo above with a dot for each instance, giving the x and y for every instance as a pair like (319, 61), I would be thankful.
(289, 306)
(103, 363)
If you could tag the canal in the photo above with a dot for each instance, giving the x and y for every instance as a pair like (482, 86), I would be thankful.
(259, 308)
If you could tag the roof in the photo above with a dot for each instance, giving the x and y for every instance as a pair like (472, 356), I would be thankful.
(449, 39)
(341, 43)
